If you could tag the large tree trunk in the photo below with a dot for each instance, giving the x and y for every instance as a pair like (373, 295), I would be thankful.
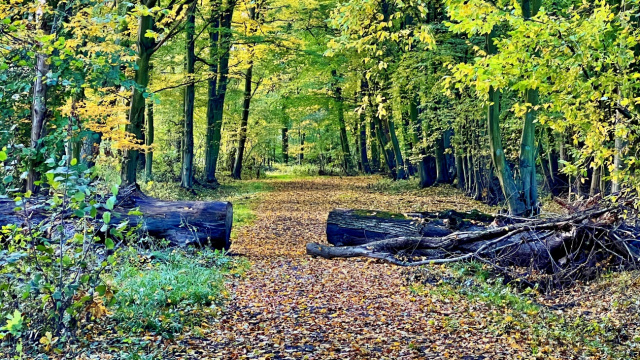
(509, 188)
(214, 123)
(189, 99)
(137, 102)
(215, 106)
(527, 143)
(242, 136)
(182, 223)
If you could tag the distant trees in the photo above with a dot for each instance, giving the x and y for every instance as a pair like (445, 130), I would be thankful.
(501, 99)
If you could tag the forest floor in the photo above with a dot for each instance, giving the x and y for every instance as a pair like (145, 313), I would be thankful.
(291, 306)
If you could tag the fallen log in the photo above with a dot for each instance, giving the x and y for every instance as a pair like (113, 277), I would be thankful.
(549, 245)
(356, 227)
(182, 223)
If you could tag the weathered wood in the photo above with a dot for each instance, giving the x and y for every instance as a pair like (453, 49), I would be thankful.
(182, 223)
(355, 227)
(541, 244)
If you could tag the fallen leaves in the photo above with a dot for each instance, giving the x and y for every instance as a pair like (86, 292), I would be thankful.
(290, 306)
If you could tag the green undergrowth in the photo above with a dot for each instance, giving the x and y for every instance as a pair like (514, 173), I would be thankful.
(166, 291)
(594, 324)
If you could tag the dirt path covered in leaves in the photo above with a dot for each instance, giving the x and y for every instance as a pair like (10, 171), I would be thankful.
(290, 306)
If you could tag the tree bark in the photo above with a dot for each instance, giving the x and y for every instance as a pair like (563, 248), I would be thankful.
(460, 172)
(364, 160)
(542, 244)
(355, 227)
(527, 143)
(285, 145)
(301, 153)
(137, 102)
(149, 139)
(215, 106)
(182, 223)
(442, 176)
(401, 173)
(189, 99)
(509, 188)
(344, 141)
(373, 145)
(242, 136)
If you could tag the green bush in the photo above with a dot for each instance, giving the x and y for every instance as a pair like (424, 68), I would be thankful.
(167, 290)
(50, 269)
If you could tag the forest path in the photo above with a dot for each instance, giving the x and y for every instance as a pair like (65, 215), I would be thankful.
(291, 306)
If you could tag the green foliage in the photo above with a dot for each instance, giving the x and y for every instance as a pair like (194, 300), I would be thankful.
(50, 277)
(168, 290)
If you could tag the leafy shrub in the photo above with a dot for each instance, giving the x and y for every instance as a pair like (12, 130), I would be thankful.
(167, 290)
(50, 268)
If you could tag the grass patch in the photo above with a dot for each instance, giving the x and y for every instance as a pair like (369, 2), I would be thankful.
(167, 290)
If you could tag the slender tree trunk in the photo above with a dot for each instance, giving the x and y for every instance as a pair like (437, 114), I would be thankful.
(373, 144)
(511, 193)
(38, 116)
(285, 145)
(356, 143)
(527, 144)
(441, 165)
(595, 182)
(382, 132)
(618, 156)
(189, 99)
(418, 137)
(364, 160)
(470, 177)
(137, 103)
(149, 139)
(344, 141)
(459, 172)
(301, 153)
(237, 168)
(396, 150)
(407, 134)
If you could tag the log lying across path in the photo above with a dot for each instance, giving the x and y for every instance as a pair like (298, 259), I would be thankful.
(182, 223)
(581, 239)
(356, 227)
